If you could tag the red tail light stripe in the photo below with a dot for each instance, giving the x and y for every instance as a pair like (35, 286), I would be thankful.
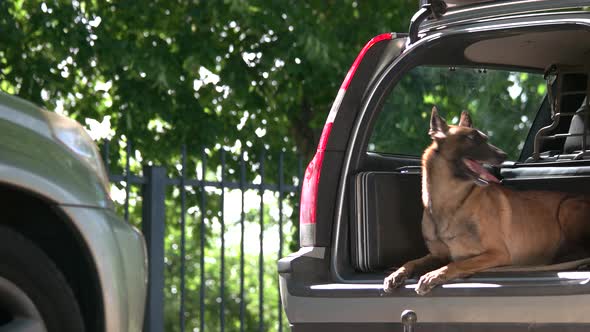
(311, 180)
(359, 58)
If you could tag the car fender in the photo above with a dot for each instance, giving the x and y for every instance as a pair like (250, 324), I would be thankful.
(34, 161)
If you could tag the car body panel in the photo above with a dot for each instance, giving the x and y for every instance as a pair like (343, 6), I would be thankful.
(342, 115)
(32, 159)
(26, 114)
(304, 290)
(119, 254)
(486, 12)
(454, 327)
(472, 309)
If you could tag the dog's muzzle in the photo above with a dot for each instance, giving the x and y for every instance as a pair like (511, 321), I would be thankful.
(482, 176)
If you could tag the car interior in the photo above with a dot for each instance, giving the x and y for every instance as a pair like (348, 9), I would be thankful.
(550, 153)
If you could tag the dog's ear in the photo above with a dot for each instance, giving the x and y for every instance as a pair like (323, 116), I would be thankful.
(438, 125)
(465, 120)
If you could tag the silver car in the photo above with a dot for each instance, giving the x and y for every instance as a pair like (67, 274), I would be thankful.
(67, 261)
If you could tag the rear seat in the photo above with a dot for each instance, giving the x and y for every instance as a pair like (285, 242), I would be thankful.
(560, 172)
(573, 144)
(557, 171)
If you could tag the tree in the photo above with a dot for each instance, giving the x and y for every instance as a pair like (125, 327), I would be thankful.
(247, 76)
(246, 73)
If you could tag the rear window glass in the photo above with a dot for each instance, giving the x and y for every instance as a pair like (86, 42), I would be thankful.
(502, 103)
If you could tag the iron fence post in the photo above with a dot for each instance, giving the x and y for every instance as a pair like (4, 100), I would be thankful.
(153, 227)
(155, 182)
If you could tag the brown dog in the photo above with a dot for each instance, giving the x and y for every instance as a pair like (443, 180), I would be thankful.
(472, 223)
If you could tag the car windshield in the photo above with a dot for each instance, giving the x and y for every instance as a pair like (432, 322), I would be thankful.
(502, 103)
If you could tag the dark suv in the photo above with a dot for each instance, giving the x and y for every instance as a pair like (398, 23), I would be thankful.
(522, 70)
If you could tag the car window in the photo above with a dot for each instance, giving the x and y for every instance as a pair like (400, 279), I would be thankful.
(502, 103)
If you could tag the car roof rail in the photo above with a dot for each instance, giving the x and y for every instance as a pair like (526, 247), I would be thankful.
(428, 8)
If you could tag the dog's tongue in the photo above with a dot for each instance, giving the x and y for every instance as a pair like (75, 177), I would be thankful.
(479, 169)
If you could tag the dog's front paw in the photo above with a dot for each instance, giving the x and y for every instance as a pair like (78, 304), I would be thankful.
(431, 279)
(395, 280)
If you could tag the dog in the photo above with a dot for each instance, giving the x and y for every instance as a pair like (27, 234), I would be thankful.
(472, 223)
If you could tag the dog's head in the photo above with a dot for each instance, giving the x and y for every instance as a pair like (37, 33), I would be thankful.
(466, 148)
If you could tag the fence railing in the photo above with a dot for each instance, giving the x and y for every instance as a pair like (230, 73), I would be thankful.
(158, 190)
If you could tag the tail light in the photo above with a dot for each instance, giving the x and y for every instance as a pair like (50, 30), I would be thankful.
(311, 180)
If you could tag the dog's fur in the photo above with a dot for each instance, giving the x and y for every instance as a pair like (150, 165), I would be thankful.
(470, 223)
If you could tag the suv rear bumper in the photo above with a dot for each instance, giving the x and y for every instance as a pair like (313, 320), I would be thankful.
(546, 299)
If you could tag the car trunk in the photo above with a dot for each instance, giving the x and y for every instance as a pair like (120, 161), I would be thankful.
(388, 212)
(384, 206)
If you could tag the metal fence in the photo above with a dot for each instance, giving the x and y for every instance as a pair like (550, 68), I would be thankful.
(154, 183)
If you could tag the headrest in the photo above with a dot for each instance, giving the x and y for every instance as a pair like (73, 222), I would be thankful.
(574, 143)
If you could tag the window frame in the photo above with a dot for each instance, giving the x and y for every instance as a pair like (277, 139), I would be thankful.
(356, 154)
(378, 112)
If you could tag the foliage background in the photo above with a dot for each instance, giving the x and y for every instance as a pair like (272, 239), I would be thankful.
(245, 76)
(501, 102)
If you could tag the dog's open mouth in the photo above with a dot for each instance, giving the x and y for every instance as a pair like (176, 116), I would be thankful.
(483, 176)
